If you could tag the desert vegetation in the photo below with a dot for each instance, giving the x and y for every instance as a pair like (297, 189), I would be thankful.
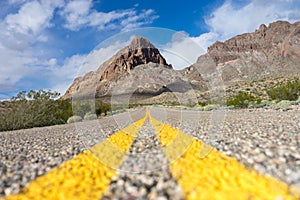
(34, 109)
(289, 90)
(277, 94)
(243, 100)
(44, 108)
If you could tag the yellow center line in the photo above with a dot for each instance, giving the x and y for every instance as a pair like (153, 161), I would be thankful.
(205, 173)
(86, 176)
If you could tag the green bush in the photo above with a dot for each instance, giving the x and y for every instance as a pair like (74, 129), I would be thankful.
(202, 104)
(243, 100)
(102, 108)
(90, 116)
(81, 107)
(64, 108)
(289, 90)
(283, 105)
(297, 102)
(34, 109)
(264, 104)
(74, 119)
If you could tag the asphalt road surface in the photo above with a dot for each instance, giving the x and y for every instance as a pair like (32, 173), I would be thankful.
(147, 163)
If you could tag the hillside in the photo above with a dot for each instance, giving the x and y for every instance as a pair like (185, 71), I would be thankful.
(270, 51)
(248, 61)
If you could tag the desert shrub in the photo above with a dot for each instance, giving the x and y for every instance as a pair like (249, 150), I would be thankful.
(64, 109)
(243, 100)
(74, 119)
(264, 104)
(283, 105)
(203, 103)
(90, 116)
(211, 107)
(229, 107)
(297, 102)
(289, 90)
(34, 109)
(81, 107)
(102, 108)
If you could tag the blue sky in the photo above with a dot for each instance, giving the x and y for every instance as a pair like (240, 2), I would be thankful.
(46, 44)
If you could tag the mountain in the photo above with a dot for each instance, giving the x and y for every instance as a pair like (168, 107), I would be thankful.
(270, 51)
(98, 83)
(138, 73)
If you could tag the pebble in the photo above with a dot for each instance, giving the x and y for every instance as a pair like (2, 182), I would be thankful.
(269, 153)
(27, 154)
(145, 172)
(250, 137)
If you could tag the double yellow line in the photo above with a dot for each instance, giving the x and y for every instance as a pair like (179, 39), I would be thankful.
(205, 173)
(201, 171)
(86, 176)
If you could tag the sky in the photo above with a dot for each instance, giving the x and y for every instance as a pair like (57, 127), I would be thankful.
(46, 44)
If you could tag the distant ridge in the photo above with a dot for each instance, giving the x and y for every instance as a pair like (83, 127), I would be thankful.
(140, 70)
(272, 50)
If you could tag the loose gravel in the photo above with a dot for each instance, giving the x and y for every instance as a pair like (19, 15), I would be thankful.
(27, 154)
(145, 173)
(266, 140)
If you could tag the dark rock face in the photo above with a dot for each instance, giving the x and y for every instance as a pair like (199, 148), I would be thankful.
(97, 83)
(139, 52)
(272, 50)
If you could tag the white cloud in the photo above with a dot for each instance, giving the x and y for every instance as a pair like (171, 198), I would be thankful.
(79, 65)
(76, 12)
(182, 51)
(79, 13)
(33, 17)
(16, 1)
(205, 40)
(22, 30)
(136, 20)
(4, 97)
(62, 76)
(12, 67)
(98, 56)
(18, 32)
(52, 61)
(230, 20)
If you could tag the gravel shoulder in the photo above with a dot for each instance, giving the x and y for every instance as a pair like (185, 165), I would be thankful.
(29, 153)
(266, 140)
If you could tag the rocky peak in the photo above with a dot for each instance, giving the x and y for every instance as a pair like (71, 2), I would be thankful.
(140, 42)
(262, 28)
(140, 51)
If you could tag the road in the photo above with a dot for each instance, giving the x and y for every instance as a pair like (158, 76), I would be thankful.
(161, 154)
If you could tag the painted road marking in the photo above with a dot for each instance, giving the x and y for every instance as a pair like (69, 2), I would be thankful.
(201, 171)
(210, 174)
(112, 155)
(87, 175)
